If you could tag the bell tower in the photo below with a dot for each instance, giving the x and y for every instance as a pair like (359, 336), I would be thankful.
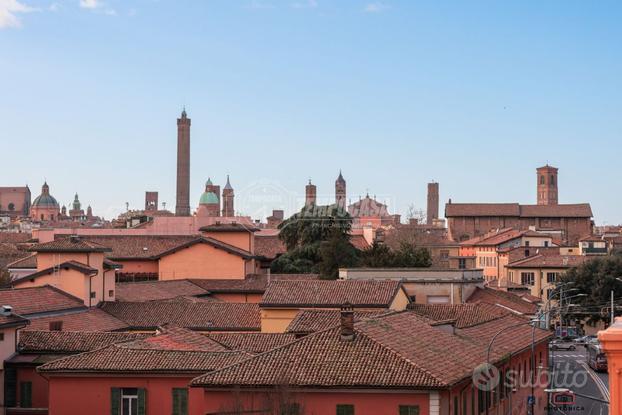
(182, 207)
(547, 185)
(340, 191)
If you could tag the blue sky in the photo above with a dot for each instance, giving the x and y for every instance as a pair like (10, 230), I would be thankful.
(474, 95)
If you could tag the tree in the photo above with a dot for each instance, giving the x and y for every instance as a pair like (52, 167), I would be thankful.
(306, 232)
(410, 255)
(337, 252)
(596, 278)
(377, 256)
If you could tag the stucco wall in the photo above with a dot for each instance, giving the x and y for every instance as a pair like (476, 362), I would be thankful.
(201, 261)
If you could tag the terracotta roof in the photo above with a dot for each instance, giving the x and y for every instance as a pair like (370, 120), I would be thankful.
(12, 321)
(506, 284)
(464, 315)
(253, 283)
(269, 246)
(140, 246)
(212, 242)
(29, 262)
(253, 343)
(69, 341)
(201, 316)
(383, 354)
(482, 209)
(582, 210)
(310, 321)
(36, 300)
(15, 237)
(172, 352)
(228, 227)
(359, 293)
(359, 242)
(156, 290)
(87, 319)
(505, 299)
(592, 238)
(549, 261)
(75, 265)
(11, 253)
(70, 244)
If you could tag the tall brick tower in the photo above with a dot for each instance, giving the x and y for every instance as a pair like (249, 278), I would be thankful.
(183, 165)
(227, 200)
(151, 201)
(547, 185)
(340, 191)
(310, 194)
(432, 202)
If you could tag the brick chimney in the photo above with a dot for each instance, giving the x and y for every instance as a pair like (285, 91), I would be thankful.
(347, 322)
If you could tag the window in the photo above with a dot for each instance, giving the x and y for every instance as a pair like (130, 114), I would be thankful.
(552, 180)
(55, 325)
(551, 277)
(25, 394)
(180, 401)
(444, 254)
(127, 401)
(11, 206)
(110, 293)
(526, 243)
(541, 180)
(456, 407)
(546, 244)
(409, 410)
(1, 337)
(92, 294)
(527, 278)
(462, 263)
(290, 409)
(345, 409)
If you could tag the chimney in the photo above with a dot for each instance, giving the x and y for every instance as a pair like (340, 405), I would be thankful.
(347, 322)
(6, 310)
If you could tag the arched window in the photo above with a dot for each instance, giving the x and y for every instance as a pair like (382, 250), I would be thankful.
(552, 180)
(542, 179)
(11, 207)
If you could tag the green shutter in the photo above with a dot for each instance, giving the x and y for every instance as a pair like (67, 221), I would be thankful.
(10, 386)
(180, 401)
(409, 409)
(142, 404)
(25, 394)
(345, 409)
(115, 401)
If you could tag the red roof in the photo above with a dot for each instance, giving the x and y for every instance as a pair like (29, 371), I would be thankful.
(269, 246)
(310, 321)
(174, 351)
(35, 300)
(86, 319)
(582, 210)
(505, 299)
(201, 316)
(253, 343)
(157, 290)
(549, 261)
(69, 341)
(464, 315)
(333, 294)
(70, 244)
(383, 354)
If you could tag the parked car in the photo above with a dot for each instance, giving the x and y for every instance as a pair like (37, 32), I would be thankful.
(558, 345)
(585, 340)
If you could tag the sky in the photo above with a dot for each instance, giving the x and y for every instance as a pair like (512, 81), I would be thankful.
(472, 94)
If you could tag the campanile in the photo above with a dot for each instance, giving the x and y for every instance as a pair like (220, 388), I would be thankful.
(182, 207)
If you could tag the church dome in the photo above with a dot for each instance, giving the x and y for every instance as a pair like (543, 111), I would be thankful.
(209, 198)
(45, 199)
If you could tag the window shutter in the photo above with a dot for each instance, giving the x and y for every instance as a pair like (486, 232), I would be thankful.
(180, 401)
(25, 394)
(115, 401)
(142, 404)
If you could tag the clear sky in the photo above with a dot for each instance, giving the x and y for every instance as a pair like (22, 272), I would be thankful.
(472, 94)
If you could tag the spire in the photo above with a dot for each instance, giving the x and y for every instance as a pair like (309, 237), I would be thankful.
(183, 112)
(340, 178)
(209, 182)
(228, 185)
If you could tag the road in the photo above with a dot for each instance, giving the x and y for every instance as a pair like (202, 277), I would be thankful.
(572, 372)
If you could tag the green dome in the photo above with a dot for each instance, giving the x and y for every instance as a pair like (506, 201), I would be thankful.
(209, 198)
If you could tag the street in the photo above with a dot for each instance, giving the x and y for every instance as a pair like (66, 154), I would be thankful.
(573, 372)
